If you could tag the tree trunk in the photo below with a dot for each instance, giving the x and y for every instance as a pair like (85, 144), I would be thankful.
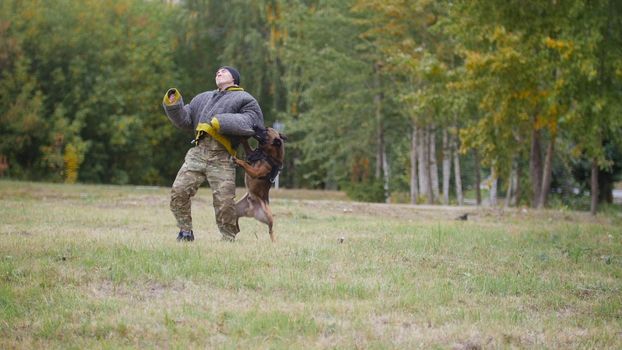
(605, 188)
(510, 190)
(547, 174)
(379, 124)
(594, 187)
(386, 171)
(379, 152)
(567, 183)
(517, 188)
(428, 173)
(457, 175)
(414, 179)
(421, 160)
(535, 167)
(493, 186)
(433, 165)
(446, 166)
(330, 182)
(478, 179)
(424, 165)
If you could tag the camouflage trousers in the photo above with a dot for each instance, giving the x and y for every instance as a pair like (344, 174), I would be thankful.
(207, 161)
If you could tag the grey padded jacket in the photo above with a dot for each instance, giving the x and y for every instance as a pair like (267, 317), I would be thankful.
(236, 110)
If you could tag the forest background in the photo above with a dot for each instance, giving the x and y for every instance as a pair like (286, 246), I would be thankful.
(396, 100)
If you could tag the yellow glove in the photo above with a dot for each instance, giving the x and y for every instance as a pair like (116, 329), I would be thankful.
(215, 124)
(212, 130)
(167, 97)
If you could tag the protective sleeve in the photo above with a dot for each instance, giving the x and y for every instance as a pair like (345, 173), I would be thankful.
(241, 124)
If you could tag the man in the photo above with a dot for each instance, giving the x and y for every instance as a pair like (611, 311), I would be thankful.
(218, 119)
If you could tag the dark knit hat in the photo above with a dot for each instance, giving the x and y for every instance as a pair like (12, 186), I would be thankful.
(234, 73)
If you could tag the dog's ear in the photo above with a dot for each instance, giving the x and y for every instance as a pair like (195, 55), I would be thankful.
(283, 137)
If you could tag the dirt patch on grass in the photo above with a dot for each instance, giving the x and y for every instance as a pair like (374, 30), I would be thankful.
(16, 233)
(145, 291)
(442, 212)
(134, 201)
(402, 211)
(406, 331)
(156, 294)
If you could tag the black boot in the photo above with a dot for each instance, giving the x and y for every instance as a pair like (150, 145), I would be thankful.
(187, 236)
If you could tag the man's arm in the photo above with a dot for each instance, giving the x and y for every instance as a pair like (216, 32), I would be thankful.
(179, 114)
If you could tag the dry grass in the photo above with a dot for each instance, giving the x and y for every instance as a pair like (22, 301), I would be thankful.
(98, 266)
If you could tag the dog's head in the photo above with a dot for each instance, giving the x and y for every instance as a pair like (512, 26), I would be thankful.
(271, 141)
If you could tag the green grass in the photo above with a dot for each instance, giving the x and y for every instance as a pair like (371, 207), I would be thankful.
(98, 267)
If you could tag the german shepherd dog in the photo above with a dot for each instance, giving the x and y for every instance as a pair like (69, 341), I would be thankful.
(262, 166)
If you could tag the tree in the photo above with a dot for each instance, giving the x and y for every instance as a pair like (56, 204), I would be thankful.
(590, 55)
(88, 75)
(335, 112)
(420, 62)
(509, 64)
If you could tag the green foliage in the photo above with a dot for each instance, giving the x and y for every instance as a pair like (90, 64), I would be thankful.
(545, 66)
(86, 77)
(82, 82)
(367, 191)
(330, 93)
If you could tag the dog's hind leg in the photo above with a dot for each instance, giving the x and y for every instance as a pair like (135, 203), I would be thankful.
(271, 232)
(244, 207)
(264, 214)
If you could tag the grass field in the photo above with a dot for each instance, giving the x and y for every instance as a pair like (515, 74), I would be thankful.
(98, 267)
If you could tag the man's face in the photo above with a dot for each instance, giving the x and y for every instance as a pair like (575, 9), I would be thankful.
(223, 77)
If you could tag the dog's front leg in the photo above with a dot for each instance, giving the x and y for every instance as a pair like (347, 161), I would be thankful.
(259, 170)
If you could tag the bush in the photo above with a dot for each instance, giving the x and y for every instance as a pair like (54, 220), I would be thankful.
(368, 191)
